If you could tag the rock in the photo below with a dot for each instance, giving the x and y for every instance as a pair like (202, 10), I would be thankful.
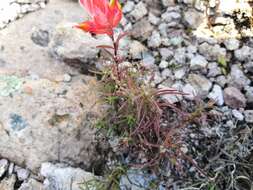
(234, 98)
(179, 73)
(3, 166)
(22, 173)
(248, 116)
(166, 53)
(128, 7)
(244, 54)
(153, 19)
(40, 37)
(139, 11)
(237, 78)
(172, 16)
(213, 69)
(217, 95)
(62, 177)
(8, 183)
(198, 62)
(136, 180)
(190, 91)
(193, 18)
(201, 84)
(61, 118)
(148, 61)
(163, 64)
(69, 44)
(180, 56)
(249, 94)
(212, 52)
(137, 49)
(168, 3)
(155, 39)
(142, 29)
(238, 115)
(232, 44)
(31, 184)
(22, 54)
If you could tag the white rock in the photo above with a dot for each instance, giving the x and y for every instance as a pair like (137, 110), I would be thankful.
(31, 184)
(139, 11)
(155, 39)
(238, 115)
(22, 173)
(198, 62)
(128, 7)
(217, 95)
(244, 53)
(63, 177)
(232, 44)
(163, 64)
(3, 166)
(201, 84)
(190, 91)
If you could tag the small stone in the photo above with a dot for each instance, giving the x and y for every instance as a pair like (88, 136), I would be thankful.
(201, 84)
(248, 116)
(168, 3)
(166, 53)
(244, 54)
(22, 173)
(148, 61)
(66, 78)
(217, 95)
(180, 56)
(3, 166)
(40, 37)
(8, 183)
(11, 168)
(249, 94)
(238, 115)
(139, 11)
(237, 78)
(31, 184)
(155, 39)
(137, 49)
(163, 64)
(198, 62)
(212, 52)
(193, 18)
(142, 29)
(190, 91)
(169, 17)
(153, 19)
(179, 73)
(128, 7)
(232, 44)
(213, 69)
(234, 98)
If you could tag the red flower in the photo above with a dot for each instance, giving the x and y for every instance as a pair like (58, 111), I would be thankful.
(105, 16)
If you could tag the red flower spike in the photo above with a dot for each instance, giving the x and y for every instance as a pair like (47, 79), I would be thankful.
(105, 16)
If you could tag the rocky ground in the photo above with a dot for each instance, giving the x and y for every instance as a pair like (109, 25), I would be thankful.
(48, 102)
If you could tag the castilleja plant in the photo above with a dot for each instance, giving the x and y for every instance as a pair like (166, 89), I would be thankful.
(105, 16)
(137, 107)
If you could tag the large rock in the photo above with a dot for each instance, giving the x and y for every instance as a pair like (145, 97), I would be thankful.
(234, 98)
(47, 120)
(60, 177)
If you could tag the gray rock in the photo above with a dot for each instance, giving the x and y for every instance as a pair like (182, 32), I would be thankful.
(139, 11)
(213, 69)
(212, 52)
(155, 39)
(237, 77)
(22, 173)
(234, 98)
(56, 124)
(166, 53)
(201, 84)
(248, 116)
(217, 95)
(128, 7)
(137, 49)
(40, 37)
(73, 44)
(249, 94)
(168, 17)
(198, 62)
(153, 19)
(232, 44)
(180, 56)
(62, 177)
(168, 3)
(193, 18)
(8, 183)
(244, 54)
(148, 61)
(179, 73)
(142, 29)
(163, 64)
(190, 91)
(221, 80)
(3, 166)
(238, 115)
(31, 184)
